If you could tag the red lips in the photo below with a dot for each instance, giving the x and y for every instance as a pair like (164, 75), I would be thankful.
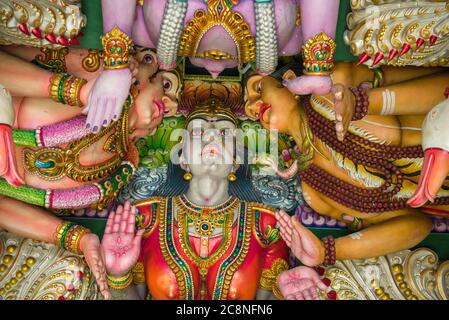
(160, 107)
(263, 109)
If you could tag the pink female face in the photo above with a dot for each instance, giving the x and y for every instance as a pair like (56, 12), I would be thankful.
(158, 94)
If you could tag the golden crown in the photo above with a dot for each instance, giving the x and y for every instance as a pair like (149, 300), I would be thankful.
(213, 108)
(219, 13)
(319, 54)
(117, 46)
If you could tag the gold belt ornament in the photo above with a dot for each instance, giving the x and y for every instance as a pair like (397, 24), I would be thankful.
(55, 163)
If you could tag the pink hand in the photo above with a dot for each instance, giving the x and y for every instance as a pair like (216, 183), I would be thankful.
(305, 85)
(91, 248)
(8, 165)
(107, 97)
(303, 243)
(121, 245)
(300, 283)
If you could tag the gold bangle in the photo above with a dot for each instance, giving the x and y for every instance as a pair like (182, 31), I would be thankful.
(319, 54)
(73, 241)
(117, 46)
(61, 233)
(66, 89)
(74, 92)
(119, 283)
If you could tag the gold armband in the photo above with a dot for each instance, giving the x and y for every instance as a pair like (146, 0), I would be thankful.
(120, 283)
(68, 236)
(138, 272)
(66, 89)
(268, 279)
(319, 54)
(117, 46)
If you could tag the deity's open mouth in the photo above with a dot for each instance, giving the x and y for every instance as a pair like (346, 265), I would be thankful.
(160, 108)
(212, 149)
(263, 109)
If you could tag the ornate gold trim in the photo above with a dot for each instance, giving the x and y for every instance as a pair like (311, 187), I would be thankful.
(219, 13)
(268, 279)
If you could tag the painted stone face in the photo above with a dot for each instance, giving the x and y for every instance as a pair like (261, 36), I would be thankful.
(158, 94)
(271, 103)
(209, 149)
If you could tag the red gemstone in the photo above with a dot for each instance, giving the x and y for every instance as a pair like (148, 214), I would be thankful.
(37, 33)
(405, 48)
(24, 28)
(419, 43)
(363, 58)
(80, 274)
(326, 281)
(74, 42)
(63, 41)
(433, 39)
(377, 58)
(393, 54)
(320, 270)
(51, 38)
(332, 295)
(61, 298)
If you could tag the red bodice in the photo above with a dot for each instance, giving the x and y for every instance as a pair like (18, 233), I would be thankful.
(233, 265)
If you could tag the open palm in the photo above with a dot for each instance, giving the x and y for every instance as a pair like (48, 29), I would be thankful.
(303, 243)
(121, 244)
(300, 283)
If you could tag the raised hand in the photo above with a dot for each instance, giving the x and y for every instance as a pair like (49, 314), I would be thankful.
(303, 243)
(107, 97)
(300, 283)
(8, 169)
(305, 85)
(344, 105)
(91, 248)
(121, 244)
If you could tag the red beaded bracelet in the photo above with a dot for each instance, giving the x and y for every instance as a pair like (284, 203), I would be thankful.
(330, 256)
(362, 102)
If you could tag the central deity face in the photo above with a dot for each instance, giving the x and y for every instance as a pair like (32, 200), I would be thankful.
(209, 147)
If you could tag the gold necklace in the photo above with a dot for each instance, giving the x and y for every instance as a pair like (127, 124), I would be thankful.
(185, 214)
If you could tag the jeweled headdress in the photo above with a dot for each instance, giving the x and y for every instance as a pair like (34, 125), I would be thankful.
(213, 108)
(219, 13)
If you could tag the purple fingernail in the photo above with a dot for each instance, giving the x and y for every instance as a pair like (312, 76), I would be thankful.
(105, 121)
(115, 117)
(88, 126)
(95, 129)
(284, 83)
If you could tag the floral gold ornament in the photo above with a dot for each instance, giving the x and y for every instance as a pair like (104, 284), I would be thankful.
(52, 59)
(268, 279)
(117, 46)
(319, 54)
(219, 13)
(92, 61)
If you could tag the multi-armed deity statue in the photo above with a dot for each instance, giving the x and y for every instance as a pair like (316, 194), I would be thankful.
(197, 139)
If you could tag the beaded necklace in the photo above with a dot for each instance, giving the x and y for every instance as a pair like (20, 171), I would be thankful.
(363, 152)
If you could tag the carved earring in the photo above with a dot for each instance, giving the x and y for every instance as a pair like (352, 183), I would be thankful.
(188, 176)
(232, 177)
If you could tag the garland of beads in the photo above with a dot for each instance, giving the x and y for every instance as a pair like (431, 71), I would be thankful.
(362, 152)
(330, 256)
(362, 102)
(68, 236)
